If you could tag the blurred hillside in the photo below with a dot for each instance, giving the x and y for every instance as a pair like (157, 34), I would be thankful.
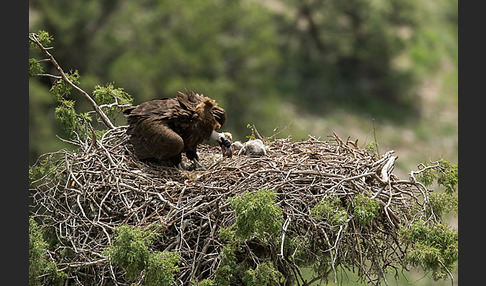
(364, 69)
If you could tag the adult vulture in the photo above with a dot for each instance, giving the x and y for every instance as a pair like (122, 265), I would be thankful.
(162, 129)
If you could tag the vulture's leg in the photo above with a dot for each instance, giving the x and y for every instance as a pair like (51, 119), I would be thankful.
(192, 155)
(198, 166)
(176, 161)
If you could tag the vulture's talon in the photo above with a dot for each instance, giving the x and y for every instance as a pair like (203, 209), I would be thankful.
(198, 166)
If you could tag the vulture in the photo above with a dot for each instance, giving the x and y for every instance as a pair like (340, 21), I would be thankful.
(160, 130)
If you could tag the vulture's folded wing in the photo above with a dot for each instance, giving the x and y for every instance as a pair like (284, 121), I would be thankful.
(154, 139)
(160, 109)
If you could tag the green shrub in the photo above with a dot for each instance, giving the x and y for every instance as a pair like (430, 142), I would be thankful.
(205, 282)
(162, 267)
(130, 251)
(228, 271)
(365, 209)
(263, 275)
(258, 219)
(433, 248)
(330, 210)
(447, 176)
(41, 271)
(256, 214)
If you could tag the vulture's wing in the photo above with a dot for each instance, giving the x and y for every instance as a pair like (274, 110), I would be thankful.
(160, 109)
(152, 135)
(154, 139)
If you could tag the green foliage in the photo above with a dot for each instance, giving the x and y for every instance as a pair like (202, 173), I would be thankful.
(446, 175)
(113, 99)
(427, 177)
(205, 282)
(372, 147)
(69, 118)
(36, 251)
(108, 93)
(330, 210)
(434, 248)
(226, 233)
(61, 89)
(43, 37)
(35, 67)
(44, 167)
(258, 217)
(365, 209)
(234, 272)
(130, 251)
(161, 268)
(229, 270)
(252, 136)
(444, 203)
(66, 112)
(263, 275)
(256, 214)
(449, 176)
(41, 271)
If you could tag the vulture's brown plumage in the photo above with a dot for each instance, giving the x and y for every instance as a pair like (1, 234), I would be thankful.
(163, 129)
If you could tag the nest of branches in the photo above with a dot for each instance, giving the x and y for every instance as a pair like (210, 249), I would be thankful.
(101, 186)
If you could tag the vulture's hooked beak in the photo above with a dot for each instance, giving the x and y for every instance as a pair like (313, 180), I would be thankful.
(224, 141)
(226, 147)
(227, 151)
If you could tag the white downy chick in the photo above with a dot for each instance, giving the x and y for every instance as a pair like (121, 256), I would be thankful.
(253, 148)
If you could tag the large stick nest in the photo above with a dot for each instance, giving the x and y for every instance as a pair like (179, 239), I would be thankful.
(102, 185)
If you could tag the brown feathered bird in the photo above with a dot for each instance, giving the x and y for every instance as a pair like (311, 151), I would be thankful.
(163, 129)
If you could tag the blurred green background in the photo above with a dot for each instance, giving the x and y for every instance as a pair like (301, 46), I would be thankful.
(360, 68)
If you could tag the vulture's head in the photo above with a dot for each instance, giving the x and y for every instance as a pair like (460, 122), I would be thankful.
(225, 140)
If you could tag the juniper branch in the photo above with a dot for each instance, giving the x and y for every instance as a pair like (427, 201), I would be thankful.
(96, 108)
